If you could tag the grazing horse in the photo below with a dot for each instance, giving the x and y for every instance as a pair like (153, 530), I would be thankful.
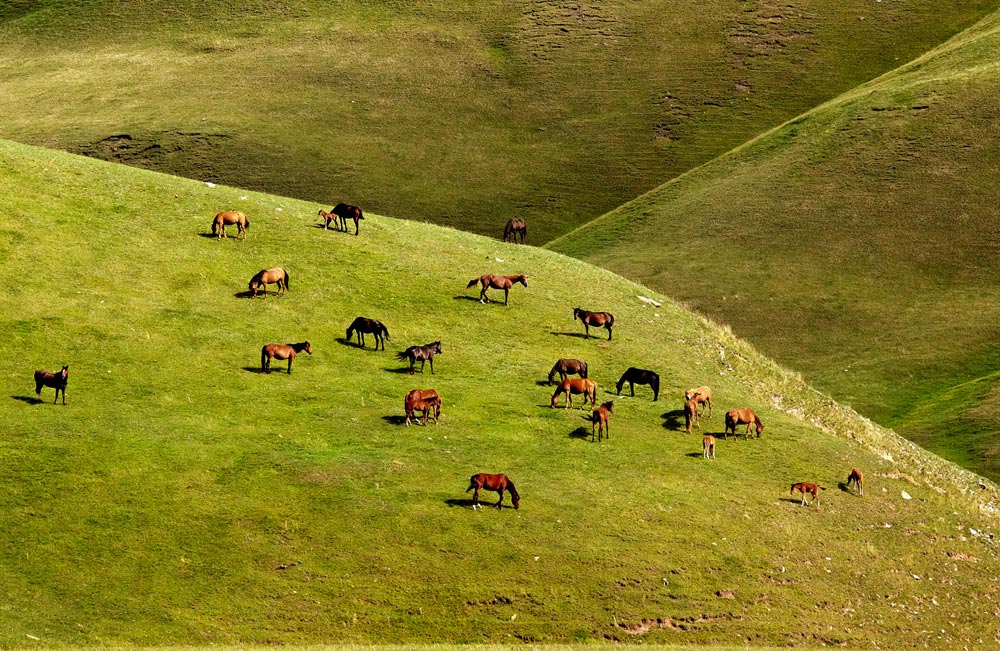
(708, 446)
(424, 353)
(342, 211)
(495, 483)
(228, 217)
(570, 385)
(55, 380)
(736, 417)
(635, 376)
(690, 415)
(496, 282)
(595, 319)
(265, 277)
(281, 351)
(859, 481)
(600, 418)
(566, 367)
(370, 326)
(514, 226)
(805, 488)
(702, 395)
(425, 400)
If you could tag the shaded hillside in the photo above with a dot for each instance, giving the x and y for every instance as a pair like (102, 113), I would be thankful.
(459, 113)
(858, 243)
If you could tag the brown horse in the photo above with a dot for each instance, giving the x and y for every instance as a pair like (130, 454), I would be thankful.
(859, 481)
(229, 217)
(566, 367)
(281, 351)
(424, 353)
(495, 483)
(635, 376)
(426, 400)
(736, 417)
(496, 282)
(515, 225)
(702, 395)
(690, 415)
(55, 380)
(708, 446)
(600, 418)
(265, 277)
(806, 488)
(365, 325)
(595, 319)
(570, 386)
(344, 212)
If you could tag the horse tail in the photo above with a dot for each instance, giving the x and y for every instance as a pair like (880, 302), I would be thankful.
(246, 223)
(385, 330)
(263, 357)
(583, 370)
(472, 483)
(286, 279)
(402, 355)
(472, 283)
(611, 320)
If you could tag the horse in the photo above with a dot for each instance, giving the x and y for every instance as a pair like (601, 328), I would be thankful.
(424, 353)
(55, 380)
(595, 319)
(514, 226)
(690, 415)
(495, 483)
(569, 386)
(566, 367)
(370, 326)
(703, 396)
(600, 418)
(736, 417)
(805, 488)
(859, 481)
(425, 400)
(228, 217)
(281, 351)
(265, 277)
(496, 282)
(708, 446)
(635, 376)
(343, 211)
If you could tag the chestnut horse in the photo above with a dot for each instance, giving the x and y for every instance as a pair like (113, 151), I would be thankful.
(595, 319)
(600, 418)
(425, 400)
(55, 380)
(806, 488)
(496, 282)
(635, 376)
(702, 395)
(424, 353)
(569, 386)
(690, 415)
(566, 367)
(228, 217)
(495, 483)
(265, 277)
(371, 326)
(342, 211)
(281, 351)
(859, 481)
(708, 446)
(736, 417)
(514, 226)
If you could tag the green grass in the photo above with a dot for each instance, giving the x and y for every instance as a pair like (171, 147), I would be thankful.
(183, 498)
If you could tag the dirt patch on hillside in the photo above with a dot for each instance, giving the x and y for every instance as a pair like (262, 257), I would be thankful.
(156, 151)
(674, 623)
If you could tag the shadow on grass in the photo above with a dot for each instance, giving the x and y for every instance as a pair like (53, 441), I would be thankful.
(254, 369)
(344, 341)
(578, 335)
(674, 420)
(247, 294)
(466, 297)
(467, 503)
(31, 400)
(397, 420)
(580, 433)
(401, 371)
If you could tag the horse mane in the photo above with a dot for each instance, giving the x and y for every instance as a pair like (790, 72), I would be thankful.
(510, 487)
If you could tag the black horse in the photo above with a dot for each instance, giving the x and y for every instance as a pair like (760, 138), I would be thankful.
(370, 326)
(566, 367)
(640, 376)
(424, 353)
(346, 211)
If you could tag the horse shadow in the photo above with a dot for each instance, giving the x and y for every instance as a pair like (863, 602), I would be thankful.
(212, 236)
(397, 420)
(673, 420)
(31, 400)
(467, 503)
(405, 370)
(695, 455)
(255, 369)
(543, 383)
(246, 293)
(581, 433)
(578, 335)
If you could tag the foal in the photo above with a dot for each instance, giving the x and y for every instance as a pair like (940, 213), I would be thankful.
(690, 415)
(805, 488)
(600, 421)
(56, 380)
(708, 446)
(425, 400)
(859, 481)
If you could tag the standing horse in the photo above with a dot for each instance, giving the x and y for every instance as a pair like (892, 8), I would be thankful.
(55, 380)
(425, 400)
(228, 217)
(496, 282)
(265, 277)
(495, 483)
(859, 481)
(424, 353)
(595, 319)
(635, 376)
(281, 351)
(342, 211)
(736, 417)
(514, 226)
(806, 488)
(600, 418)
(708, 446)
(566, 367)
(570, 386)
(690, 415)
(370, 326)
(702, 395)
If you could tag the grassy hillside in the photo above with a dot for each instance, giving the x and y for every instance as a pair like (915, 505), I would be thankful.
(858, 243)
(183, 498)
(456, 112)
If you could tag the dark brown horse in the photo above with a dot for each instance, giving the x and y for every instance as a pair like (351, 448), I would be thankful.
(370, 326)
(571, 386)
(496, 282)
(227, 218)
(690, 415)
(594, 319)
(424, 353)
(806, 488)
(859, 481)
(495, 483)
(515, 226)
(600, 418)
(566, 367)
(426, 400)
(281, 351)
(702, 395)
(55, 380)
(266, 277)
(736, 417)
(636, 376)
(344, 212)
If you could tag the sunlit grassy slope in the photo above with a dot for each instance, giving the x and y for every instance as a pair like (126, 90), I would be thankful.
(859, 243)
(458, 112)
(184, 498)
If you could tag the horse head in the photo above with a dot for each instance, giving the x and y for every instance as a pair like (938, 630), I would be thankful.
(437, 347)
(307, 348)
(576, 313)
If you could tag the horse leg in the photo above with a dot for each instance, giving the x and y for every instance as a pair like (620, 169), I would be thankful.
(631, 387)
(501, 499)
(505, 292)
(412, 362)
(290, 358)
(609, 333)
(432, 366)
(475, 498)
(356, 222)
(482, 295)
(586, 329)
